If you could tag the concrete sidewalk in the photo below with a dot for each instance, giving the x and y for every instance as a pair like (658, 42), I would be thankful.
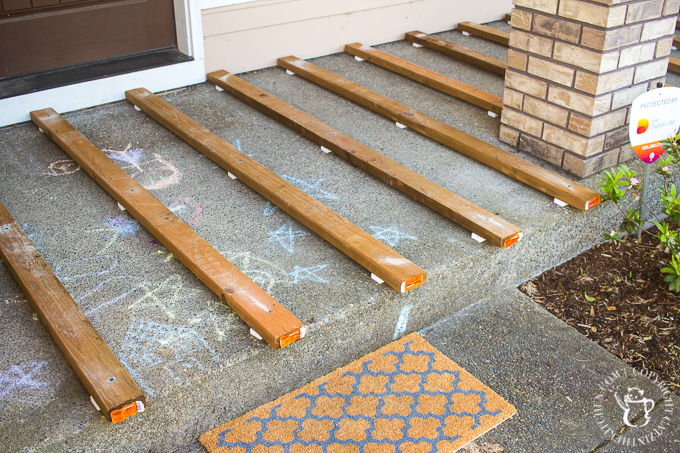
(195, 359)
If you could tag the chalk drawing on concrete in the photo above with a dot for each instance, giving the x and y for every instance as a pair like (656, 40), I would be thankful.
(391, 236)
(62, 167)
(308, 273)
(286, 236)
(116, 227)
(22, 384)
(154, 174)
(264, 273)
(311, 187)
(269, 209)
(86, 267)
(162, 354)
(122, 287)
(188, 209)
(165, 296)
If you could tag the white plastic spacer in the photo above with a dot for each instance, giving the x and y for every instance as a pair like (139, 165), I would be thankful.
(465, 33)
(137, 108)
(325, 150)
(41, 131)
(140, 406)
(219, 88)
(289, 72)
(231, 175)
(492, 114)
(477, 238)
(560, 203)
(417, 46)
(255, 334)
(401, 126)
(377, 279)
(358, 58)
(521, 235)
(674, 48)
(303, 332)
(94, 403)
(121, 207)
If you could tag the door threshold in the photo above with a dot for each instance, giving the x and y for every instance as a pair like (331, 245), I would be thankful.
(31, 83)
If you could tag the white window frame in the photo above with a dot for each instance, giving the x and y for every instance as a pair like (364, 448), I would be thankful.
(110, 89)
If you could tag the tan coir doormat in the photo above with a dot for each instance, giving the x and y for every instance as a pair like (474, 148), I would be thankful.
(404, 397)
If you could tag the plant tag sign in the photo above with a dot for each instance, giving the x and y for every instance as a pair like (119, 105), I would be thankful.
(654, 117)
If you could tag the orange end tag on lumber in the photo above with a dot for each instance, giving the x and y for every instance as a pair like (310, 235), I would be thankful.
(592, 203)
(412, 283)
(125, 412)
(291, 338)
(510, 241)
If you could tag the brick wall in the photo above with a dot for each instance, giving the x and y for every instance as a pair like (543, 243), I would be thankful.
(574, 68)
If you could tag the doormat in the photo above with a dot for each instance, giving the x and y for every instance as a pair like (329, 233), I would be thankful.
(404, 397)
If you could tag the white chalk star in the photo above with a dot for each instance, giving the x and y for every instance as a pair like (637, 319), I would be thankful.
(391, 235)
(285, 236)
(308, 273)
(311, 187)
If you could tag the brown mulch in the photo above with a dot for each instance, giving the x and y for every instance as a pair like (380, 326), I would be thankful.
(615, 295)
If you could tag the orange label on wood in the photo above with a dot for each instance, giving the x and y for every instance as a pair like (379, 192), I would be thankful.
(510, 241)
(290, 338)
(121, 414)
(592, 203)
(412, 283)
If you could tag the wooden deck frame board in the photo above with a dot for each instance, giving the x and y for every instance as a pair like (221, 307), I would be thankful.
(273, 322)
(97, 367)
(507, 17)
(392, 268)
(479, 221)
(676, 41)
(485, 32)
(452, 87)
(456, 51)
(674, 65)
(506, 162)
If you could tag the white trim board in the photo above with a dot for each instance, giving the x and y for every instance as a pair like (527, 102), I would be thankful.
(208, 4)
(110, 89)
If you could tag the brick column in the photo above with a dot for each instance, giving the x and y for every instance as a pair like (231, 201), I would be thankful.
(574, 68)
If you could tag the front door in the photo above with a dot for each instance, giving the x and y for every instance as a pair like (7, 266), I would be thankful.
(41, 35)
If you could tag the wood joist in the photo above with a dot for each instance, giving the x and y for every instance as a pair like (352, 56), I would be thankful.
(506, 162)
(389, 266)
(486, 32)
(456, 51)
(481, 222)
(452, 87)
(273, 322)
(674, 65)
(102, 374)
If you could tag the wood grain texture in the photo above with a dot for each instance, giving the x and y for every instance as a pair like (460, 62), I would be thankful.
(397, 271)
(259, 310)
(485, 32)
(456, 51)
(506, 162)
(460, 90)
(487, 225)
(99, 370)
(674, 65)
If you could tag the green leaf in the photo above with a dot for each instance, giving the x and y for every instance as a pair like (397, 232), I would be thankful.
(588, 298)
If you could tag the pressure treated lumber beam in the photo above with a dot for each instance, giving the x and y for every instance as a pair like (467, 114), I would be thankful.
(507, 17)
(676, 41)
(485, 32)
(456, 51)
(479, 221)
(433, 79)
(273, 322)
(97, 367)
(389, 266)
(674, 65)
(506, 162)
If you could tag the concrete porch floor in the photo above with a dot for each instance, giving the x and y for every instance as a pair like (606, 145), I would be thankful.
(194, 357)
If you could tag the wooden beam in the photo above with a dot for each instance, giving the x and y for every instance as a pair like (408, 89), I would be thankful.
(507, 17)
(506, 162)
(274, 323)
(481, 222)
(674, 65)
(452, 87)
(454, 50)
(97, 367)
(676, 41)
(392, 268)
(485, 32)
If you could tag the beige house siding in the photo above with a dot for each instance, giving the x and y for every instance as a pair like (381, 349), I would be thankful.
(253, 35)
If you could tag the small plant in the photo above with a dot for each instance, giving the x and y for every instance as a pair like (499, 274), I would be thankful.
(617, 183)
